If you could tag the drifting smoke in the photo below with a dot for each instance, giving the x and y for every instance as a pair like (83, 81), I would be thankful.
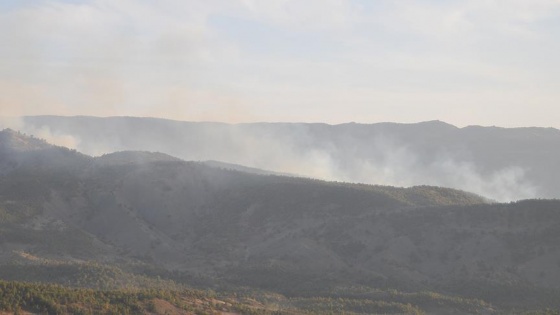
(43, 132)
(15, 123)
(390, 163)
(314, 151)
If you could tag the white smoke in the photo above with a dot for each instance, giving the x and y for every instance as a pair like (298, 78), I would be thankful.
(391, 163)
(43, 132)
(295, 150)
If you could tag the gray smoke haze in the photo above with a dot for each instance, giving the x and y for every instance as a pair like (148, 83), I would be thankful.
(384, 155)
(43, 132)
(392, 163)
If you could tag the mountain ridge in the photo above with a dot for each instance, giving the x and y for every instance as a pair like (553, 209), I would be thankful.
(504, 164)
(162, 119)
(120, 224)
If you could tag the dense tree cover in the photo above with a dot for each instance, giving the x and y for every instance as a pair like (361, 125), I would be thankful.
(139, 220)
(18, 297)
(54, 299)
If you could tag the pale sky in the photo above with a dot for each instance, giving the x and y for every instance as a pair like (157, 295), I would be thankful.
(483, 62)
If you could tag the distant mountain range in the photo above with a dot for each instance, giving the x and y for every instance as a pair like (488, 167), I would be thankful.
(150, 219)
(503, 164)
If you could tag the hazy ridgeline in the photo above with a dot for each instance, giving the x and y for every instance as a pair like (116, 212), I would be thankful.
(499, 163)
(148, 220)
(254, 191)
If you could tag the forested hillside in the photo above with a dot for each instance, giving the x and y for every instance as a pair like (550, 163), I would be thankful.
(148, 220)
(504, 164)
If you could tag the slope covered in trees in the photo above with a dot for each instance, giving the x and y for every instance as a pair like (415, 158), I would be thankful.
(504, 164)
(138, 219)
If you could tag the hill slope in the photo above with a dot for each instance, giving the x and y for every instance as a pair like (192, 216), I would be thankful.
(150, 215)
(501, 163)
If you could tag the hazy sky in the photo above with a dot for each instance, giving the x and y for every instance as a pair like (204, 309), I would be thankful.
(465, 62)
